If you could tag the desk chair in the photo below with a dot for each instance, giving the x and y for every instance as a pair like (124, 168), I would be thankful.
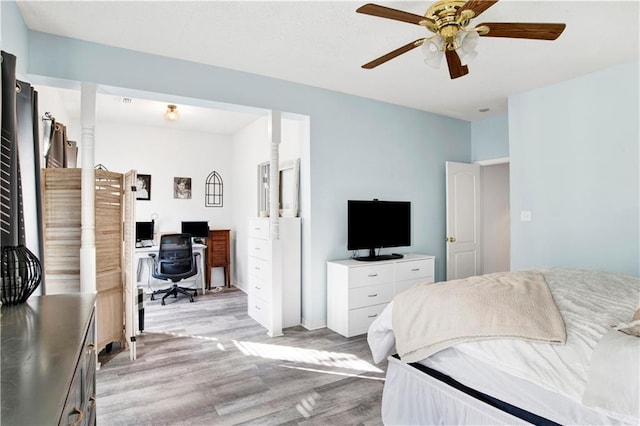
(175, 262)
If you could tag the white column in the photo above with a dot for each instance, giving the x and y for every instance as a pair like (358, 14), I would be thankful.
(274, 216)
(275, 136)
(88, 217)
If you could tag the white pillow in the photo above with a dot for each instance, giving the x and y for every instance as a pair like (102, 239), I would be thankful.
(613, 375)
(632, 328)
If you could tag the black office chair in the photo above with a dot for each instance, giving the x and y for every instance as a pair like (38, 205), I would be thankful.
(175, 262)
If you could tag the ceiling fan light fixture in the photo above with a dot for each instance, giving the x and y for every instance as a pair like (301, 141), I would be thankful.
(432, 51)
(449, 20)
(469, 57)
(172, 112)
(467, 41)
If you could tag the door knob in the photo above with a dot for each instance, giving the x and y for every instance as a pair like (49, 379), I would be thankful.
(450, 239)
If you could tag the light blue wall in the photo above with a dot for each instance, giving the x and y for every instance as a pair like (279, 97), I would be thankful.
(14, 35)
(359, 148)
(574, 165)
(490, 138)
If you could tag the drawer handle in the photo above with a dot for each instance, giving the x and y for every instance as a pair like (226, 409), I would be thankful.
(77, 411)
(257, 288)
(373, 316)
(373, 295)
(415, 269)
(257, 248)
(257, 229)
(372, 275)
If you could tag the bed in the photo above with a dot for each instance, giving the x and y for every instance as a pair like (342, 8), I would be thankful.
(589, 378)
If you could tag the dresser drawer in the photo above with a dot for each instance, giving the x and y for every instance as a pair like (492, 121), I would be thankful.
(371, 295)
(218, 237)
(370, 275)
(259, 248)
(415, 269)
(258, 267)
(259, 228)
(361, 319)
(259, 287)
(218, 259)
(258, 309)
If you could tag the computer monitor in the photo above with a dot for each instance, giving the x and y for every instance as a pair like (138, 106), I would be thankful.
(197, 229)
(144, 231)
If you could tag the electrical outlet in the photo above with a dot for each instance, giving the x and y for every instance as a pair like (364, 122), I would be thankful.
(525, 216)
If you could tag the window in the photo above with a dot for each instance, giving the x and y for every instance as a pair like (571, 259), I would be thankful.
(213, 190)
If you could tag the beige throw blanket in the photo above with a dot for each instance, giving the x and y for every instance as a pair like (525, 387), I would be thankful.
(430, 317)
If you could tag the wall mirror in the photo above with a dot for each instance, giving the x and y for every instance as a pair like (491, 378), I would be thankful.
(289, 188)
(289, 177)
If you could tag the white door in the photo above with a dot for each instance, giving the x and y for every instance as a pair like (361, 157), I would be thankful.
(463, 220)
(129, 269)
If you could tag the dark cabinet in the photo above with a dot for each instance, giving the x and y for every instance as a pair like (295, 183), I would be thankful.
(218, 255)
(49, 358)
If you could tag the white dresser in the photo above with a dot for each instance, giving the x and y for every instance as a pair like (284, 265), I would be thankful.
(357, 291)
(271, 263)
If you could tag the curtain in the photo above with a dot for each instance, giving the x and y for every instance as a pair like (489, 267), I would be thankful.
(61, 152)
(29, 156)
(11, 208)
(20, 269)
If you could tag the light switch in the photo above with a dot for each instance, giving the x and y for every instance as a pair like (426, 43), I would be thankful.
(525, 216)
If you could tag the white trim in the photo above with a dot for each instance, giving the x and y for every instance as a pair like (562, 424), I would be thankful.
(492, 161)
(316, 325)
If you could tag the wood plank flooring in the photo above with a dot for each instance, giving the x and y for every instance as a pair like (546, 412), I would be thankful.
(209, 363)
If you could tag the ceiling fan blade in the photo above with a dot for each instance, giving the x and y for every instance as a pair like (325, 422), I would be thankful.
(399, 51)
(389, 13)
(478, 6)
(456, 69)
(534, 31)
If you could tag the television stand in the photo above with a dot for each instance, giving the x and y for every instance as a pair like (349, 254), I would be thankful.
(357, 292)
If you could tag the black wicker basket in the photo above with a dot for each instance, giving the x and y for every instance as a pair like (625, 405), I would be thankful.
(21, 274)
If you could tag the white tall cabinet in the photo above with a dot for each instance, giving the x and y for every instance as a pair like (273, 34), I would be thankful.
(274, 274)
(357, 291)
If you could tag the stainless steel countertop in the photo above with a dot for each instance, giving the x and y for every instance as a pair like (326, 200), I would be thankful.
(40, 346)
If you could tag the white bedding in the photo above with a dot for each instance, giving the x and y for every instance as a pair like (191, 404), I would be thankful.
(588, 313)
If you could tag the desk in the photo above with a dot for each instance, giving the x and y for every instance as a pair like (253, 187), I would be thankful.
(142, 257)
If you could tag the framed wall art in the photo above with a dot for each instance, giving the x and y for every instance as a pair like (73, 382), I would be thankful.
(182, 188)
(143, 187)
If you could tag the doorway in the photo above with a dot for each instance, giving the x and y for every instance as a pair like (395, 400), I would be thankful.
(478, 218)
(495, 228)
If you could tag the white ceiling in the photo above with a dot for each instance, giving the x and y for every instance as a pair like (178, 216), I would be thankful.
(323, 44)
(142, 111)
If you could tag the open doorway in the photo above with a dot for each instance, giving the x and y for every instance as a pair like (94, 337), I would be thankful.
(495, 227)
(478, 224)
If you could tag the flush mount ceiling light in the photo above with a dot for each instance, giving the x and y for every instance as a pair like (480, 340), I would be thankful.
(172, 112)
(454, 38)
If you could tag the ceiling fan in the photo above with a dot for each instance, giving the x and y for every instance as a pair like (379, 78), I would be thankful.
(453, 38)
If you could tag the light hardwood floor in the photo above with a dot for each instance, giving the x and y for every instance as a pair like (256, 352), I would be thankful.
(209, 363)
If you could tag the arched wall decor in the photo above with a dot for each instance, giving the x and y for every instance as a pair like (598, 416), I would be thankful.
(213, 190)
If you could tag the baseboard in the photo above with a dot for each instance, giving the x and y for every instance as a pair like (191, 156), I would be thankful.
(239, 288)
(313, 326)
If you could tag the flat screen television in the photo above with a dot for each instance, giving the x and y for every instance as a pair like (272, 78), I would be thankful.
(197, 229)
(374, 224)
(144, 231)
